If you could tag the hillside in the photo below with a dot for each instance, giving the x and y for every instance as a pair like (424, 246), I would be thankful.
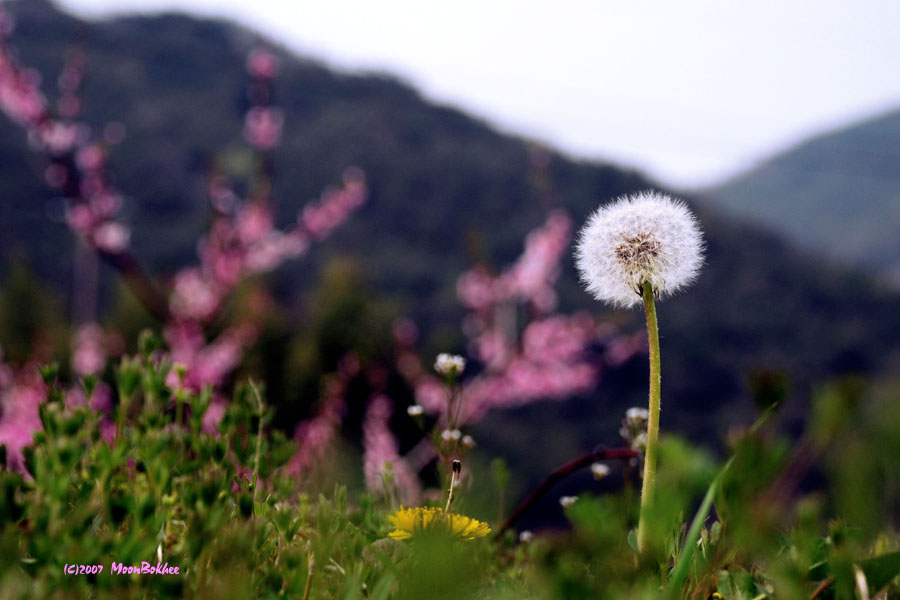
(446, 189)
(838, 193)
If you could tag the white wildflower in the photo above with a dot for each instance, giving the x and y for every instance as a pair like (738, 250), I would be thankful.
(640, 442)
(599, 471)
(567, 501)
(449, 364)
(415, 410)
(637, 414)
(647, 237)
(451, 435)
(468, 441)
(526, 536)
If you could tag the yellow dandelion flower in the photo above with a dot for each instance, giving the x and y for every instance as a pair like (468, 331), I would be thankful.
(410, 522)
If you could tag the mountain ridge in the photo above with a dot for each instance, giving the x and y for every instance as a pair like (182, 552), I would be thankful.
(837, 192)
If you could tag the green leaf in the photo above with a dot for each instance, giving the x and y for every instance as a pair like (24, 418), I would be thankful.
(382, 589)
(880, 570)
(632, 540)
(736, 584)
(49, 372)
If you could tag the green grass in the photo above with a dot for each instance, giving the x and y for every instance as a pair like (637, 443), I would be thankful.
(221, 508)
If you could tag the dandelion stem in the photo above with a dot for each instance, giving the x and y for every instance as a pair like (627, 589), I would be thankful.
(649, 484)
(260, 408)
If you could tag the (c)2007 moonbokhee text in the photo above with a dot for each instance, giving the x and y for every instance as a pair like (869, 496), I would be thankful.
(116, 568)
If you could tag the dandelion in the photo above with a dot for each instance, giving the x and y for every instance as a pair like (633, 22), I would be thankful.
(410, 523)
(449, 364)
(637, 249)
(644, 238)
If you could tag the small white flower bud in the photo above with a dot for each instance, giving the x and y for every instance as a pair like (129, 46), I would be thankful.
(640, 441)
(468, 441)
(415, 410)
(449, 364)
(451, 435)
(599, 471)
(637, 414)
(526, 536)
(567, 501)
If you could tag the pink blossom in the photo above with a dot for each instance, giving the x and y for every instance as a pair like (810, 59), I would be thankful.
(623, 348)
(253, 223)
(89, 354)
(556, 339)
(475, 288)
(68, 105)
(105, 204)
(530, 278)
(492, 348)
(207, 364)
(524, 382)
(322, 218)
(7, 23)
(80, 218)
(262, 127)
(101, 399)
(193, 297)
(406, 334)
(262, 64)
(108, 430)
(548, 360)
(431, 395)
(221, 195)
(111, 237)
(58, 137)
(315, 435)
(382, 454)
(20, 419)
(214, 414)
(91, 157)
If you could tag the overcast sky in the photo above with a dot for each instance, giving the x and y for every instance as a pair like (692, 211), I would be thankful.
(689, 91)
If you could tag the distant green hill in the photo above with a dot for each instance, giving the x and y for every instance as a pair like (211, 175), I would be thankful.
(838, 193)
(446, 189)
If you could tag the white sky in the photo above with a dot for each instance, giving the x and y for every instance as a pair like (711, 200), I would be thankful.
(691, 91)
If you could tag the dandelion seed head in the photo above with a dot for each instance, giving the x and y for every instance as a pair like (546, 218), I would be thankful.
(646, 237)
